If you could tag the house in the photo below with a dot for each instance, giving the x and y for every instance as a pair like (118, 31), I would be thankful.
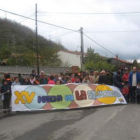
(70, 58)
(120, 63)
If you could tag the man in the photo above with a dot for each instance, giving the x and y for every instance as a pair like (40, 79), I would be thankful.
(117, 80)
(109, 77)
(21, 79)
(102, 78)
(34, 73)
(92, 75)
(134, 79)
(6, 90)
(7, 78)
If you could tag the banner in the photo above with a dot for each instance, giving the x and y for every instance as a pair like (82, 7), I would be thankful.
(48, 97)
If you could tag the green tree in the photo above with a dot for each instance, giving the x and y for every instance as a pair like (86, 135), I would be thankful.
(96, 62)
(19, 46)
(5, 53)
(135, 63)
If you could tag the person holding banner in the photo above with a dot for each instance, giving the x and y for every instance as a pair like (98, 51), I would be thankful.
(87, 79)
(102, 78)
(118, 80)
(37, 81)
(16, 81)
(6, 97)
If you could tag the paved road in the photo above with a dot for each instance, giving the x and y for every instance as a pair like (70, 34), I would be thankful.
(104, 123)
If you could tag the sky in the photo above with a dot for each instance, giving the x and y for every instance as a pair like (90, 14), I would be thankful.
(119, 33)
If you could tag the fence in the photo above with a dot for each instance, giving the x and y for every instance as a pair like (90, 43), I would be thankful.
(27, 70)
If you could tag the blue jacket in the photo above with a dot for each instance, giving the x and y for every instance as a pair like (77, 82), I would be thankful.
(130, 78)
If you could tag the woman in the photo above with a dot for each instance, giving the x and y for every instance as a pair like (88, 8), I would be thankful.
(16, 81)
(51, 81)
(58, 82)
(96, 77)
(87, 79)
(32, 79)
(27, 81)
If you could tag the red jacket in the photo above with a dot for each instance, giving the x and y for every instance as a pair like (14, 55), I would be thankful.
(125, 77)
(125, 90)
(51, 82)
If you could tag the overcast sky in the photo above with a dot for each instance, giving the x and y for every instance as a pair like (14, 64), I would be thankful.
(99, 27)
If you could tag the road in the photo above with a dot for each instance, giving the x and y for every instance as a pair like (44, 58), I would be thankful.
(104, 123)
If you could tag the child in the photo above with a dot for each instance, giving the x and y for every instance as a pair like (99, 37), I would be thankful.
(138, 93)
(125, 91)
(58, 82)
(51, 81)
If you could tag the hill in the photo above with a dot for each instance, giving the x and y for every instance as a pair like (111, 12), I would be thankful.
(17, 46)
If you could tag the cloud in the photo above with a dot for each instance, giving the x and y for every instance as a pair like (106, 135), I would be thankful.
(125, 44)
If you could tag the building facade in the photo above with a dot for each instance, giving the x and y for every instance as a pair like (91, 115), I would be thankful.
(70, 58)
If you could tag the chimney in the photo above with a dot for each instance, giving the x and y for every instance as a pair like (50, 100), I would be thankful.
(117, 56)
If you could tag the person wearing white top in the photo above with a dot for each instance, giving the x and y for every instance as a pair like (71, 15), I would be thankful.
(134, 79)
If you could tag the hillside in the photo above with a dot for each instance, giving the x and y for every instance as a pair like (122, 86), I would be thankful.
(17, 45)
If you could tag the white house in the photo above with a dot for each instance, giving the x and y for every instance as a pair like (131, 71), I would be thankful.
(71, 58)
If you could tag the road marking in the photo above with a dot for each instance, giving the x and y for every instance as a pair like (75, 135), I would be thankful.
(122, 108)
(115, 113)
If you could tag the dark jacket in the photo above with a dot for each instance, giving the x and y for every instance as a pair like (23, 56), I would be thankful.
(27, 83)
(137, 77)
(117, 81)
(8, 81)
(102, 79)
(4, 89)
(21, 80)
(109, 78)
(43, 80)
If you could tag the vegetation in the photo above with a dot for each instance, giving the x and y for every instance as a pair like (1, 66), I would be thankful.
(17, 46)
(96, 62)
(135, 64)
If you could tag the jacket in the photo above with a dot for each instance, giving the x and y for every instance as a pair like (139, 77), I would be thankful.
(137, 77)
(4, 89)
(117, 81)
(102, 79)
(125, 77)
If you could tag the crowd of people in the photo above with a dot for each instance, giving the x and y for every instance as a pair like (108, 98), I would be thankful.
(127, 82)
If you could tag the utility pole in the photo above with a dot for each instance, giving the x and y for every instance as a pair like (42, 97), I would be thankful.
(82, 50)
(36, 41)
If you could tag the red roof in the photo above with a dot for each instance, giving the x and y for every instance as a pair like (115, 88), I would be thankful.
(123, 61)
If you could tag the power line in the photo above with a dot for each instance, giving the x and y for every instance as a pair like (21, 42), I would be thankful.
(116, 13)
(99, 45)
(61, 35)
(26, 19)
(112, 31)
(39, 21)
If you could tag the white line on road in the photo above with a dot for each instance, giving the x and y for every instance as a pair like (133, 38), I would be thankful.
(115, 113)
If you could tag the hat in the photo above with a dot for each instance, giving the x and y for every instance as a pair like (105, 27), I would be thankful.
(126, 69)
(102, 71)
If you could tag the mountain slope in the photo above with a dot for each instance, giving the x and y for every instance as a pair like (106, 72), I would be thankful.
(19, 39)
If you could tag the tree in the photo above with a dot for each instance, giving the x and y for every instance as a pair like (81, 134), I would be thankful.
(19, 46)
(5, 53)
(96, 62)
(135, 63)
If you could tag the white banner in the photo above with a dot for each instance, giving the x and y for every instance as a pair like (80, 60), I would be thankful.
(48, 97)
